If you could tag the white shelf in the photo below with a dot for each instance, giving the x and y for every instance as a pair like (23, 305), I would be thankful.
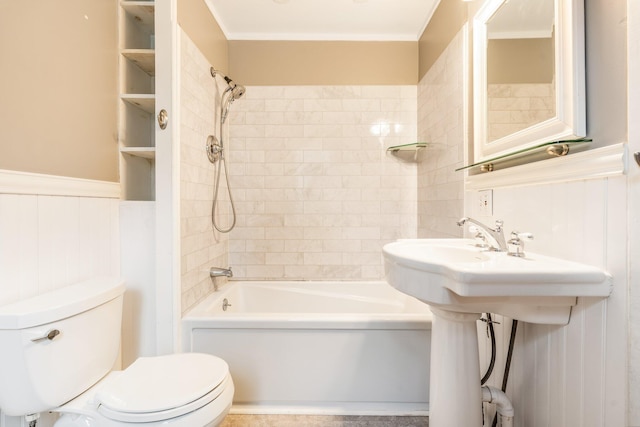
(146, 102)
(143, 58)
(137, 73)
(142, 12)
(144, 152)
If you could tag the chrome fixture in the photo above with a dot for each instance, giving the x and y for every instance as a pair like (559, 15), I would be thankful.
(48, 337)
(480, 237)
(516, 243)
(220, 272)
(225, 304)
(232, 92)
(495, 234)
(215, 148)
(163, 119)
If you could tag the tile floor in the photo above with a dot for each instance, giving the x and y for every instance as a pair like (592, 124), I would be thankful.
(322, 421)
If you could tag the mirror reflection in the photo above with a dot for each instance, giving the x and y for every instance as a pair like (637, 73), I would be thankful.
(521, 84)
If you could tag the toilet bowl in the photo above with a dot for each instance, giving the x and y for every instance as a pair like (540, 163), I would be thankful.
(178, 390)
(59, 349)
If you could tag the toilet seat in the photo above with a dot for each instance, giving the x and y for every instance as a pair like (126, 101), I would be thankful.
(163, 387)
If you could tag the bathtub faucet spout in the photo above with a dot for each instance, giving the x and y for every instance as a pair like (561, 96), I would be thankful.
(219, 272)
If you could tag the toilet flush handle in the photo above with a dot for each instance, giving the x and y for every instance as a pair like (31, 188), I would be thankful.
(49, 336)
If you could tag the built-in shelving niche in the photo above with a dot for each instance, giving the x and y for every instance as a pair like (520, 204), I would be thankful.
(137, 99)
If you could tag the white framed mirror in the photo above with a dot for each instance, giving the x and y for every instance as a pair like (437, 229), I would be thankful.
(529, 75)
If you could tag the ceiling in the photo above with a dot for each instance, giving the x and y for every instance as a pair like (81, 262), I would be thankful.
(349, 20)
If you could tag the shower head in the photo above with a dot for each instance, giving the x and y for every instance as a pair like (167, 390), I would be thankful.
(236, 90)
(230, 94)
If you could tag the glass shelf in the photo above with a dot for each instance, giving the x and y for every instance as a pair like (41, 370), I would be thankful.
(408, 152)
(407, 147)
(537, 152)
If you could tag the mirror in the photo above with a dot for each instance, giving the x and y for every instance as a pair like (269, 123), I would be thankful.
(529, 82)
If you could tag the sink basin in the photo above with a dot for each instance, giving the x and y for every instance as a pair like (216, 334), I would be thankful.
(458, 276)
(459, 281)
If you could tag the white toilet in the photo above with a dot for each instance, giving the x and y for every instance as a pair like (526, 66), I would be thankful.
(58, 350)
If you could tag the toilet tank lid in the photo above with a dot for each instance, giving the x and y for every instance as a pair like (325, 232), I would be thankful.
(60, 303)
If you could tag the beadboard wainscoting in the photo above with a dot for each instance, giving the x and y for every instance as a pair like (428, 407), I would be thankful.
(573, 375)
(55, 238)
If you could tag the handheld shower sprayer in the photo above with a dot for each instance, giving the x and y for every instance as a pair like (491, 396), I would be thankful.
(215, 148)
(232, 92)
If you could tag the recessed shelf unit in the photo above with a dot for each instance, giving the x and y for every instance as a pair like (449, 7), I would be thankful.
(137, 99)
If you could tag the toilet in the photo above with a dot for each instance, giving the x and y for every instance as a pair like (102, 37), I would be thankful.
(58, 352)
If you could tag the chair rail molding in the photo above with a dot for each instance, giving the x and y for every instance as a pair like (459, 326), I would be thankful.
(16, 182)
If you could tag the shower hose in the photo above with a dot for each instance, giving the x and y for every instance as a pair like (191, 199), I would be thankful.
(222, 163)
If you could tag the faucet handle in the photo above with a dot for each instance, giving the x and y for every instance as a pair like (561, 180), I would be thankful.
(479, 236)
(499, 224)
(516, 243)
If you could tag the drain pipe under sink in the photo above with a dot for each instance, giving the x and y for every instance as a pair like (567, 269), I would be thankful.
(503, 405)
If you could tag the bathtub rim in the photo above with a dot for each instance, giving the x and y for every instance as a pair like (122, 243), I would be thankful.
(198, 317)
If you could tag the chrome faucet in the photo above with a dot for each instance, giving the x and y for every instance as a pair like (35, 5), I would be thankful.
(219, 272)
(495, 234)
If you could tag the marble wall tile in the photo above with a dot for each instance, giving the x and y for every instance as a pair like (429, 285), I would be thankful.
(329, 191)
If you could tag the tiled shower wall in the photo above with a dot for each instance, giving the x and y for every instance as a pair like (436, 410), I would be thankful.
(201, 248)
(441, 123)
(316, 193)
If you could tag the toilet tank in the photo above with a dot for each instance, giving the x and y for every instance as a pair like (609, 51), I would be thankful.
(38, 373)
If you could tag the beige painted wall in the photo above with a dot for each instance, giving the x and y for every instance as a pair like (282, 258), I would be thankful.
(520, 60)
(58, 93)
(323, 62)
(196, 20)
(449, 17)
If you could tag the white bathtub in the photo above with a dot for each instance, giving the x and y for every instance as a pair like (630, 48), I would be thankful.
(317, 347)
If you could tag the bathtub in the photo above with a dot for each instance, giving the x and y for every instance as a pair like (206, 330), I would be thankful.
(357, 348)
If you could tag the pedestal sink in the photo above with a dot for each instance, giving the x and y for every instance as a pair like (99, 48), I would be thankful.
(460, 281)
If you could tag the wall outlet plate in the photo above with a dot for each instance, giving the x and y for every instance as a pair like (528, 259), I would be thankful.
(485, 202)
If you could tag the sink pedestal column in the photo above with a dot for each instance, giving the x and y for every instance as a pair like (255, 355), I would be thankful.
(455, 396)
